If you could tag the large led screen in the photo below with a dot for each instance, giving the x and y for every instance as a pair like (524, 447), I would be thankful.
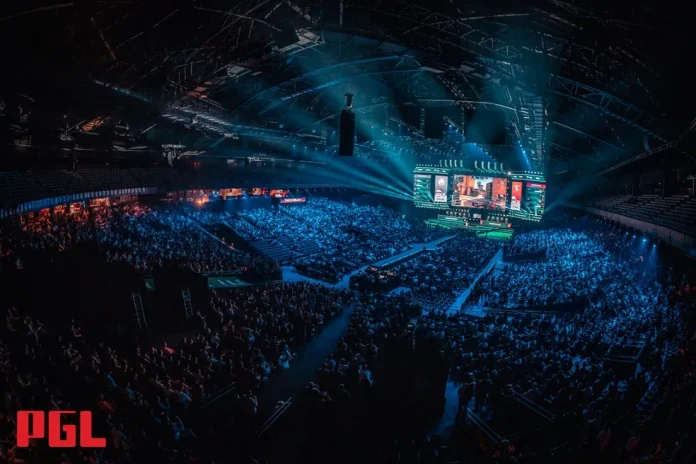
(479, 192)
(441, 185)
(422, 185)
(516, 196)
(535, 198)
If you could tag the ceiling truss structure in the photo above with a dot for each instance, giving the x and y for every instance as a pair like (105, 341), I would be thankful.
(233, 75)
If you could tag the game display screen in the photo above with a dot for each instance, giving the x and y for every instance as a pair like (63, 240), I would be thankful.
(422, 188)
(516, 195)
(479, 192)
(441, 185)
(534, 198)
(521, 195)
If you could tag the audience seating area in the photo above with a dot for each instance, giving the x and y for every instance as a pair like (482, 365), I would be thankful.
(19, 187)
(675, 212)
(328, 239)
(247, 338)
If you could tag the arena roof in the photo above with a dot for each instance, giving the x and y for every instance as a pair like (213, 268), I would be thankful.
(609, 80)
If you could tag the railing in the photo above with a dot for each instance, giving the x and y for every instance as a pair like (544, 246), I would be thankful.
(489, 440)
(532, 406)
(277, 414)
(217, 396)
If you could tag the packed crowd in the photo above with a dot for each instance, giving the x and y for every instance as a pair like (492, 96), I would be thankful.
(46, 232)
(343, 389)
(436, 278)
(560, 361)
(353, 236)
(147, 237)
(263, 326)
(533, 242)
(138, 394)
(576, 264)
(140, 235)
(141, 394)
(329, 239)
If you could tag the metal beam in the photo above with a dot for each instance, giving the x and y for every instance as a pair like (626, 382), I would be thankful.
(604, 103)
(316, 88)
(314, 73)
(648, 153)
(574, 152)
(585, 134)
(452, 101)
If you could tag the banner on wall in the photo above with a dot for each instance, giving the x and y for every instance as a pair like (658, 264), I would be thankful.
(292, 201)
(441, 185)
(516, 196)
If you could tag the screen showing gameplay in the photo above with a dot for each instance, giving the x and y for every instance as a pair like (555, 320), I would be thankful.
(422, 188)
(441, 183)
(479, 192)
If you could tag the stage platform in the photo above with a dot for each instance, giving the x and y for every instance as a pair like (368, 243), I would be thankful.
(493, 231)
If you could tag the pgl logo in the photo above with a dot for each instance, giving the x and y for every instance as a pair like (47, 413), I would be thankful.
(32, 424)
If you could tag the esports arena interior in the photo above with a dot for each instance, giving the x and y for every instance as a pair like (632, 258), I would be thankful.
(350, 230)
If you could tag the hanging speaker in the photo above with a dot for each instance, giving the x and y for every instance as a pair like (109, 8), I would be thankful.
(346, 142)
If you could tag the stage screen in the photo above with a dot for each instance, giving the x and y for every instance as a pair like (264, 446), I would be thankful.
(479, 192)
(422, 188)
(441, 185)
(516, 196)
(534, 198)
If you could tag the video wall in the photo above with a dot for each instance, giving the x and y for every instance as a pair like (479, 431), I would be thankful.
(441, 189)
(520, 195)
(527, 199)
(479, 192)
(422, 188)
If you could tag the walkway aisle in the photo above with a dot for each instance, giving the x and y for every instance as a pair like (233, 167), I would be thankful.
(457, 305)
(306, 365)
(449, 417)
(291, 275)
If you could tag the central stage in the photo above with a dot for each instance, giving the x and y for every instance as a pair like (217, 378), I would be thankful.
(487, 229)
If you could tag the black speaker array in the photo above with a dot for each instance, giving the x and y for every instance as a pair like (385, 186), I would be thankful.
(346, 142)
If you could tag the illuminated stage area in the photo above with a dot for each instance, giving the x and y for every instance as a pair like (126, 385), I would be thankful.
(480, 194)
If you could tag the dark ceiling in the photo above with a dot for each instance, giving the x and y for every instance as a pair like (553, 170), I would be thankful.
(614, 80)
